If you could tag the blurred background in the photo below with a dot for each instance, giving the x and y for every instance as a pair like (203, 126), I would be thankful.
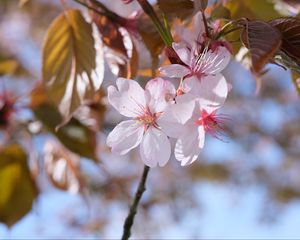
(246, 186)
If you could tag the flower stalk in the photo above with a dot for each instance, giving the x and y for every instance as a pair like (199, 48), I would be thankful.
(133, 209)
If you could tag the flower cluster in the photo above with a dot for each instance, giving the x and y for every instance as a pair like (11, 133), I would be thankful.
(161, 112)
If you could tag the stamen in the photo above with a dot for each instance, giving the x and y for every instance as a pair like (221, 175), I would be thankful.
(207, 63)
(148, 119)
(213, 124)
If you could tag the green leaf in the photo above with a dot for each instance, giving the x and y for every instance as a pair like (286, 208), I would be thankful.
(17, 188)
(72, 70)
(74, 135)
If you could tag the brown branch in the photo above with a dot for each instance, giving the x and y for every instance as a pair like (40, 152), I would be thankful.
(133, 209)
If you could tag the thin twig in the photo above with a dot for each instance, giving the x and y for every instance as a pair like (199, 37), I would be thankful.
(133, 209)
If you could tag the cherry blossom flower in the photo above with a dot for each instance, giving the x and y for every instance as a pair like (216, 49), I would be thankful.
(201, 72)
(188, 120)
(145, 108)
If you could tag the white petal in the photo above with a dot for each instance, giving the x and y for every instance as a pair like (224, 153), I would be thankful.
(198, 27)
(129, 99)
(125, 136)
(191, 85)
(158, 93)
(224, 54)
(155, 148)
(174, 70)
(183, 52)
(213, 92)
(219, 58)
(160, 88)
(174, 120)
(188, 147)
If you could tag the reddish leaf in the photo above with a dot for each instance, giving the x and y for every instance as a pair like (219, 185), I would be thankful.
(290, 31)
(62, 167)
(124, 58)
(110, 33)
(74, 135)
(73, 67)
(262, 40)
(93, 112)
(123, 65)
(178, 8)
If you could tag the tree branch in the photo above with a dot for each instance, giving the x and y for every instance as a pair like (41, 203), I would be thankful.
(133, 209)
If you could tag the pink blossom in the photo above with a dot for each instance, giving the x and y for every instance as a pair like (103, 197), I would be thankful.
(188, 120)
(201, 71)
(145, 108)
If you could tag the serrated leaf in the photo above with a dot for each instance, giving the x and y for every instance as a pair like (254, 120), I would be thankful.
(290, 31)
(17, 188)
(72, 69)
(110, 33)
(124, 58)
(262, 40)
(74, 135)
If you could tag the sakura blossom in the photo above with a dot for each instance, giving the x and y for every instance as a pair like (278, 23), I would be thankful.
(188, 120)
(201, 71)
(145, 108)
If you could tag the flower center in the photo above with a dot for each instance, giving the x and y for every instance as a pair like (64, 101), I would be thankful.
(148, 118)
(213, 123)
